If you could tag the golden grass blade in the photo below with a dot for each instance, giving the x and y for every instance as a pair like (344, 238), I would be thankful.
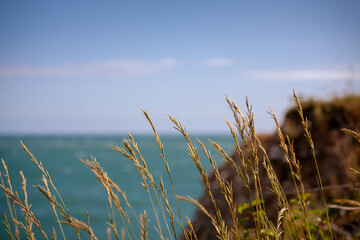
(311, 143)
(226, 187)
(162, 154)
(218, 222)
(54, 237)
(357, 172)
(25, 207)
(279, 232)
(48, 177)
(295, 170)
(348, 202)
(144, 225)
(108, 233)
(341, 207)
(113, 227)
(351, 133)
(83, 226)
(108, 184)
(8, 227)
(11, 206)
(190, 232)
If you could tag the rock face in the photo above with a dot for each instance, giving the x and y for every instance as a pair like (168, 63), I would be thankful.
(335, 151)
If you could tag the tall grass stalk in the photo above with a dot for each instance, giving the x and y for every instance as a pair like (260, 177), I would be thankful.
(253, 166)
(308, 137)
(11, 206)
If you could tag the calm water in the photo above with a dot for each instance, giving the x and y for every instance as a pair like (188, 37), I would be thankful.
(79, 187)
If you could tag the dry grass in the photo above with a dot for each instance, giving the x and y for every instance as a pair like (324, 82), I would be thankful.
(295, 219)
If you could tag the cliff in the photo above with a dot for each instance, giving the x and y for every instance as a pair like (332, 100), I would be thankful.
(335, 152)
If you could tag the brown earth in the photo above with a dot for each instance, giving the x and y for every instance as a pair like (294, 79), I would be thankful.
(335, 151)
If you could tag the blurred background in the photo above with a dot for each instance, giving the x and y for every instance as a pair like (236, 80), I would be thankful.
(88, 67)
(74, 76)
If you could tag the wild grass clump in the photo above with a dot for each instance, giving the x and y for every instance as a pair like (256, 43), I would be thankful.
(296, 216)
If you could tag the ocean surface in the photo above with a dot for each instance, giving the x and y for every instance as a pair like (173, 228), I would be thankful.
(79, 187)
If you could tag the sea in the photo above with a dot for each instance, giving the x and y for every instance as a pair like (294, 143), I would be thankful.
(85, 197)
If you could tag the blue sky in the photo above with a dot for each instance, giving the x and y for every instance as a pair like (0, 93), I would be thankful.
(72, 67)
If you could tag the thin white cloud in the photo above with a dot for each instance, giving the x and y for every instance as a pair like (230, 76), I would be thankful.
(301, 75)
(218, 62)
(106, 68)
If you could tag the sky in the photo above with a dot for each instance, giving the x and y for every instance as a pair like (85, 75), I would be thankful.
(88, 67)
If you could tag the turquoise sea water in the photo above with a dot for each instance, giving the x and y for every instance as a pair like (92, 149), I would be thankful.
(81, 191)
